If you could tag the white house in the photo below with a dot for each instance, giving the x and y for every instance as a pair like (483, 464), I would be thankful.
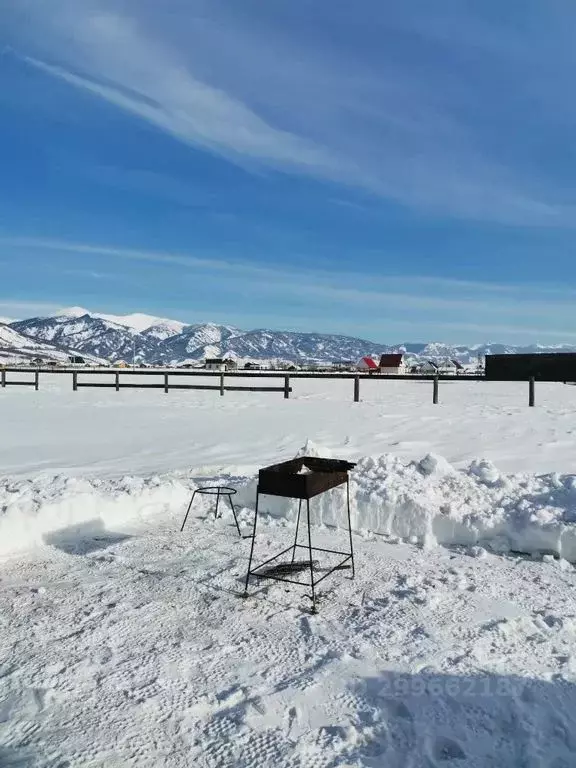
(215, 364)
(218, 364)
(392, 364)
(430, 367)
(448, 367)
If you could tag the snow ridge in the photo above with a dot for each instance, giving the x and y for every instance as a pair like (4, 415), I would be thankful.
(426, 502)
(161, 341)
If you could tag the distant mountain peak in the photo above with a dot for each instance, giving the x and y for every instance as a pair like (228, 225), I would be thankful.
(136, 321)
(72, 312)
(158, 340)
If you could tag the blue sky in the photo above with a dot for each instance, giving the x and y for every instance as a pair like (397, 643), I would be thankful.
(398, 171)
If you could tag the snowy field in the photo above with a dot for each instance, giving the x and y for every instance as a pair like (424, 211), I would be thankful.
(125, 643)
(108, 433)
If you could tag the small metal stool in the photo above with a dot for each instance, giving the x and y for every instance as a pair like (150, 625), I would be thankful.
(214, 490)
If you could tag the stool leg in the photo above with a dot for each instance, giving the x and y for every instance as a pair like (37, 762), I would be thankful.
(188, 510)
(217, 504)
(310, 555)
(252, 546)
(350, 524)
(235, 518)
(297, 526)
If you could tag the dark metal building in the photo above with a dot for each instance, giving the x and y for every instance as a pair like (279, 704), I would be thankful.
(554, 366)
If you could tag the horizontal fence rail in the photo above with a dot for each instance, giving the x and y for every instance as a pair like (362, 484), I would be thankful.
(166, 386)
(4, 382)
(222, 386)
(256, 374)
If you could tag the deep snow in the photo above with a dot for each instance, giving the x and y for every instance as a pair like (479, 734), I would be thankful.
(138, 652)
(103, 432)
(124, 642)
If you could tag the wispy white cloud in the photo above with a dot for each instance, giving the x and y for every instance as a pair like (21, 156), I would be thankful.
(370, 300)
(203, 116)
(265, 87)
(11, 308)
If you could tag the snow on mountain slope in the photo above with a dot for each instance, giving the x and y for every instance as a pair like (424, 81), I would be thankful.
(164, 329)
(137, 321)
(17, 348)
(298, 346)
(158, 340)
(89, 335)
(6, 320)
(10, 338)
(198, 341)
(68, 312)
(140, 322)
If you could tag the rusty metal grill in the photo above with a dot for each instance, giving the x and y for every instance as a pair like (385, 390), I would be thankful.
(302, 479)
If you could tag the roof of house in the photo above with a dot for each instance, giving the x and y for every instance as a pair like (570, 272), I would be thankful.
(215, 360)
(369, 362)
(457, 364)
(433, 364)
(391, 361)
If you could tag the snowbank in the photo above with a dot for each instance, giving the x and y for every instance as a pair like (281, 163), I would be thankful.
(426, 502)
(430, 502)
(34, 512)
(434, 502)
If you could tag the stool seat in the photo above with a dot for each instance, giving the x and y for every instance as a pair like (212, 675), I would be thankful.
(214, 490)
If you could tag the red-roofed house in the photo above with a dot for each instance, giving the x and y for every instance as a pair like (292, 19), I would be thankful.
(392, 364)
(367, 364)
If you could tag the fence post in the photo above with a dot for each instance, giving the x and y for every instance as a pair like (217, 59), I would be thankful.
(37, 380)
(222, 385)
(531, 392)
(74, 381)
(117, 381)
(356, 389)
(166, 383)
(3, 378)
(435, 391)
(286, 387)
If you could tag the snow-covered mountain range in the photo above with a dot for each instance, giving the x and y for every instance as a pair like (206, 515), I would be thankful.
(149, 339)
(15, 347)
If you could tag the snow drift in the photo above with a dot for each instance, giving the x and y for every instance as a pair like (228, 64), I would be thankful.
(430, 502)
(427, 502)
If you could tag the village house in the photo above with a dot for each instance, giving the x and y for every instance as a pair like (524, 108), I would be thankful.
(367, 365)
(458, 367)
(219, 364)
(392, 364)
(430, 367)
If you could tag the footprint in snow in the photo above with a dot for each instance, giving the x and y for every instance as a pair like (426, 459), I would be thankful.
(445, 749)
